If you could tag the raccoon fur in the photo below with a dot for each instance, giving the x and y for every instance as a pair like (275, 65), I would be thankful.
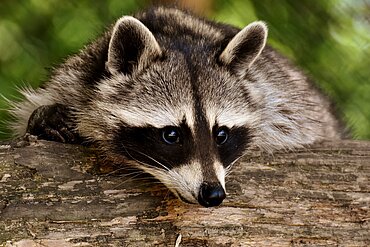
(181, 98)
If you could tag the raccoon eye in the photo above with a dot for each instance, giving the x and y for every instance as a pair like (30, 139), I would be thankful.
(221, 135)
(170, 135)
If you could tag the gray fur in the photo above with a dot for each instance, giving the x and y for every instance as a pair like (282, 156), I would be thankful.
(185, 70)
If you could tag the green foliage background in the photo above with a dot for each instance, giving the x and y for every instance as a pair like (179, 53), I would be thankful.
(329, 40)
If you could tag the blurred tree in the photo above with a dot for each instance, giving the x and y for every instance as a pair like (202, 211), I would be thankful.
(331, 43)
(36, 34)
(202, 7)
(329, 39)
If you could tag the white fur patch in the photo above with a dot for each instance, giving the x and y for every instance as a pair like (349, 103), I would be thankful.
(22, 111)
(157, 117)
(220, 173)
(230, 117)
(184, 180)
(188, 177)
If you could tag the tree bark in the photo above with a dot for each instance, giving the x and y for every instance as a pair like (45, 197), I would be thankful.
(52, 195)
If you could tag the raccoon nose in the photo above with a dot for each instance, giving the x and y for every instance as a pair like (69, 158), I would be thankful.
(211, 195)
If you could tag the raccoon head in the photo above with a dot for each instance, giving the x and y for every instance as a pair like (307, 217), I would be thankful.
(176, 107)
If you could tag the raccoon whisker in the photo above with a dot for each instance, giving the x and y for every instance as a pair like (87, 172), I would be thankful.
(130, 174)
(228, 168)
(177, 179)
(175, 176)
(146, 164)
(125, 181)
(155, 171)
(151, 180)
(168, 183)
(136, 185)
(121, 169)
(156, 161)
(173, 183)
(140, 162)
(167, 196)
(154, 140)
(233, 162)
(164, 186)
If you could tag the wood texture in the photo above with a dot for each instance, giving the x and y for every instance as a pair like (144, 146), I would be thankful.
(50, 195)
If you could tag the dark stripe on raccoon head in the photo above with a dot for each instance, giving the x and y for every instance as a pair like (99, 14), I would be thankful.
(146, 145)
(207, 149)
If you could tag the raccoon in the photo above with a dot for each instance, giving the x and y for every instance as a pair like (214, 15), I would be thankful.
(179, 97)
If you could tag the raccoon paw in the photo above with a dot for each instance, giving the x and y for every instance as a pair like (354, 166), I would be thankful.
(50, 122)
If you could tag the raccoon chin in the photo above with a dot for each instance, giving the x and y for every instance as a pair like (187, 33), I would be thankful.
(189, 198)
(167, 181)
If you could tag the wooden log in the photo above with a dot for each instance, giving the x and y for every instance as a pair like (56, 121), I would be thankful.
(50, 195)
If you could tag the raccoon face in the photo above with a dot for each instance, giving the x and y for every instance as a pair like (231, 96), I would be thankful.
(181, 117)
(192, 162)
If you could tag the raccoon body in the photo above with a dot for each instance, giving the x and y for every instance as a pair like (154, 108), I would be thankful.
(179, 97)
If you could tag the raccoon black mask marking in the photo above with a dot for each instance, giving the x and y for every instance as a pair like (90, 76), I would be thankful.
(179, 97)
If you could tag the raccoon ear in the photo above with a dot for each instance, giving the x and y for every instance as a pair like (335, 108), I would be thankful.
(245, 47)
(132, 46)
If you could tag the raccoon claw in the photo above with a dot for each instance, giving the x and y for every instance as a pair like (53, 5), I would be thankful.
(50, 123)
(69, 136)
(52, 135)
(62, 135)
